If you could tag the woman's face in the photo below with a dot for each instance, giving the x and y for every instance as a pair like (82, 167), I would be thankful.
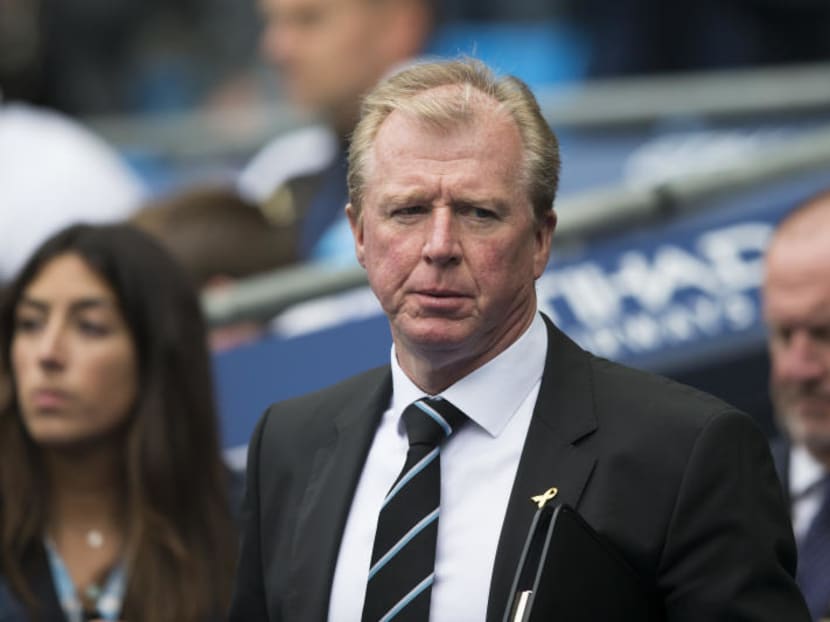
(73, 358)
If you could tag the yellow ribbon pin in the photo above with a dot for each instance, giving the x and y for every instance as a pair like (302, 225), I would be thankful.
(546, 496)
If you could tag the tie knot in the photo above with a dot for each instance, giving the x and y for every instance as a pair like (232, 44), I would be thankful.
(430, 420)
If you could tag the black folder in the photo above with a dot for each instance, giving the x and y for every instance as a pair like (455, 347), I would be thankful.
(569, 573)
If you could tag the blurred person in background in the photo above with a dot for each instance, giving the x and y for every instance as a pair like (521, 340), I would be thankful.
(796, 294)
(54, 171)
(114, 501)
(328, 54)
(218, 238)
(105, 57)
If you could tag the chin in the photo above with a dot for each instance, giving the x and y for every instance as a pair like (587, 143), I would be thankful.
(62, 437)
(816, 436)
(813, 431)
(435, 335)
(58, 440)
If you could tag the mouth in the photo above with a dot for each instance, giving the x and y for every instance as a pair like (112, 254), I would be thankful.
(440, 293)
(49, 400)
(440, 302)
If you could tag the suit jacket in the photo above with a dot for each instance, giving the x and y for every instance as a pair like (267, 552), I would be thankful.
(781, 450)
(680, 482)
(781, 458)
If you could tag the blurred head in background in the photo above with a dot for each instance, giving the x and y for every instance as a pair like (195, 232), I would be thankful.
(218, 238)
(104, 343)
(330, 52)
(55, 171)
(797, 312)
(215, 235)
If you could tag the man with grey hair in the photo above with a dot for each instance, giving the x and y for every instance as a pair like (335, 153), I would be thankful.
(797, 312)
(406, 492)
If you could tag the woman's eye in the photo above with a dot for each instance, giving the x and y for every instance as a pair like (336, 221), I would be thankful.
(93, 328)
(26, 324)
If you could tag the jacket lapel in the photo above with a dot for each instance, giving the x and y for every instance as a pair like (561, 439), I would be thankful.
(564, 413)
(336, 467)
(781, 457)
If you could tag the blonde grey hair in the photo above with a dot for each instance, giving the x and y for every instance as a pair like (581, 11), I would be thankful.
(417, 92)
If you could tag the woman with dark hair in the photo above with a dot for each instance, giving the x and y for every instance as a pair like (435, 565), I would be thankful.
(113, 496)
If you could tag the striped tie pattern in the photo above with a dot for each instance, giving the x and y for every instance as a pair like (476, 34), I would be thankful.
(403, 557)
(813, 575)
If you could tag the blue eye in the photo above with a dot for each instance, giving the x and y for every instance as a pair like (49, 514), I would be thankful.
(408, 212)
(483, 213)
(476, 212)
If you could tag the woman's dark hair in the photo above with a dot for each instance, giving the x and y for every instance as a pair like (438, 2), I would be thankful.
(180, 540)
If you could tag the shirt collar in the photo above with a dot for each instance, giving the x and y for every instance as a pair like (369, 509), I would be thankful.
(491, 394)
(805, 472)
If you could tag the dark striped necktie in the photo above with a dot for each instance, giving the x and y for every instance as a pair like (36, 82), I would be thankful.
(813, 574)
(403, 556)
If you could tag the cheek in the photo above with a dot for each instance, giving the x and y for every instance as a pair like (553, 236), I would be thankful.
(389, 261)
(113, 385)
(506, 266)
(387, 250)
(774, 368)
(21, 360)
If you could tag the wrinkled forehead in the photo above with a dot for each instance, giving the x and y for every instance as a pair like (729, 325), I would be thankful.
(443, 111)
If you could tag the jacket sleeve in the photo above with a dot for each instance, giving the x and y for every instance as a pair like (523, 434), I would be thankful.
(248, 602)
(729, 553)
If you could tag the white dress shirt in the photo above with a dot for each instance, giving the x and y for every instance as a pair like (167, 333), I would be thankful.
(478, 466)
(806, 493)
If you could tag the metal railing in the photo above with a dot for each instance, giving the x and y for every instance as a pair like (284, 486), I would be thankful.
(769, 92)
(722, 94)
(580, 217)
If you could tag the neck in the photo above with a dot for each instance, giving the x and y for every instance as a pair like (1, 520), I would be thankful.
(87, 487)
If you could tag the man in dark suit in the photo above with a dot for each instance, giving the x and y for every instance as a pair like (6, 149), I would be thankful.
(452, 179)
(797, 311)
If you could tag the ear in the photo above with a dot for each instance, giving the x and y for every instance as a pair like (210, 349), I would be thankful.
(356, 224)
(543, 242)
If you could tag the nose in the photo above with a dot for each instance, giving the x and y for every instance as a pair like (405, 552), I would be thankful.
(798, 359)
(442, 245)
(51, 348)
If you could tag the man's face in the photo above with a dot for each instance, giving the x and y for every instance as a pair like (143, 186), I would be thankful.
(327, 51)
(448, 239)
(797, 312)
